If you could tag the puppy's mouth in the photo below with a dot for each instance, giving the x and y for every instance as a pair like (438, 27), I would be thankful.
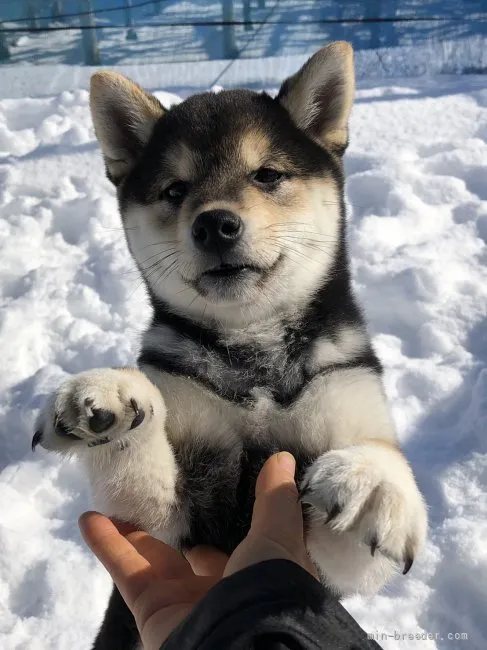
(227, 281)
(231, 270)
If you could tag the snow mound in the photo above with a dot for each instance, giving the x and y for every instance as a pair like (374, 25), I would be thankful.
(71, 300)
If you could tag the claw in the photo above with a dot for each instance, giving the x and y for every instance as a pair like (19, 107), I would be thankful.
(100, 441)
(373, 546)
(334, 512)
(139, 414)
(408, 563)
(305, 489)
(62, 430)
(36, 439)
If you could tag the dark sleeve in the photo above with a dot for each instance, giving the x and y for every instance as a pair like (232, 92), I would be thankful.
(274, 605)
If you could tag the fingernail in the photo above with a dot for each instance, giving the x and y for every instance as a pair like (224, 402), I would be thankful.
(286, 462)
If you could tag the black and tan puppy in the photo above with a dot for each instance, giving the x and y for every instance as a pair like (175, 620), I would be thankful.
(233, 209)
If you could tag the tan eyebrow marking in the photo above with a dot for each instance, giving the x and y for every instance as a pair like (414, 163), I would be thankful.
(182, 161)
(254, 149)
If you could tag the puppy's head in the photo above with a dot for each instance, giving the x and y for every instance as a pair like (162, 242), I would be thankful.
(231, 201)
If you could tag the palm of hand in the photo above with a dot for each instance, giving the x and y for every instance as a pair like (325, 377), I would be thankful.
(161, 587)
(157, 583)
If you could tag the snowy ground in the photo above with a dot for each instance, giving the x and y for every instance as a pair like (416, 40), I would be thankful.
(71, 300)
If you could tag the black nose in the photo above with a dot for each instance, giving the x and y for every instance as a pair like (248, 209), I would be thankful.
(215, 231)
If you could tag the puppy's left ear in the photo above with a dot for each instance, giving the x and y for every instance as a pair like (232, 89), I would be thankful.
(319, 97)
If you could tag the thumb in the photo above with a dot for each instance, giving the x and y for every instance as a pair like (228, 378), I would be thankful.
(277, 470)
(276, 531)
(277, 511)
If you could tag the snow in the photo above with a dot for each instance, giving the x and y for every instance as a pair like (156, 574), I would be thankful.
(71, 299)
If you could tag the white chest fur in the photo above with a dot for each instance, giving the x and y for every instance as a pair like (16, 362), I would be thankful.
(332, 411)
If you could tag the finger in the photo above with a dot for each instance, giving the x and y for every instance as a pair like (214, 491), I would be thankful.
(279, 469)
(123, 527)
(165, 561)
(277, 511)
(130, 571)
(207, 561)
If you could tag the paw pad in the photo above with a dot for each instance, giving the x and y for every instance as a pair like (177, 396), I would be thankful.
(101, 420)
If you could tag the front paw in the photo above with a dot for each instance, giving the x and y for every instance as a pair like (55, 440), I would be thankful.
(369, 489)
(95, 408)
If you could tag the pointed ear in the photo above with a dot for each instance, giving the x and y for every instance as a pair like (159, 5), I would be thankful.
(124, 117)
(319, 97)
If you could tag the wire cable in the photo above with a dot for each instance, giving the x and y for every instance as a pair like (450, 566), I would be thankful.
(80, 13)
(261, 23)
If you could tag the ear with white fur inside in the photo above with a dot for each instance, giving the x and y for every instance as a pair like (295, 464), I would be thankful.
(319, 97)
(124, 117)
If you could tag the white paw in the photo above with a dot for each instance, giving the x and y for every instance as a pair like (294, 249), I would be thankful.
(371, 490)
(96, 407)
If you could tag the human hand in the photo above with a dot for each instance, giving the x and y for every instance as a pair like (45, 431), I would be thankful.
(161, 587)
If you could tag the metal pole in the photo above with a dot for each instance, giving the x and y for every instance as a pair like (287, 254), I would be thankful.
(88, 34)
(4, 51)
(129, 22)
(373, 10)
(228, 15)
(31, 12)
(247, 15)
(57, 10)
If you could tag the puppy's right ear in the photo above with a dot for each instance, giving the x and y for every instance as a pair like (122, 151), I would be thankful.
(124, 117)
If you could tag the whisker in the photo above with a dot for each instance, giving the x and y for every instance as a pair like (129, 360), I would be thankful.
(157, 243)
(304, 234)
(292, 251)
(169, 254)
(169, 270)
(298, 238)
(286, 239)
(288, 246)
(288, 228)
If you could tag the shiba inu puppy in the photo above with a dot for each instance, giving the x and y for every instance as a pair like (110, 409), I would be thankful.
(233, 209)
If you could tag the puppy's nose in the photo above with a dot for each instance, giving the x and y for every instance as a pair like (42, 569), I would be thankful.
(215, 231)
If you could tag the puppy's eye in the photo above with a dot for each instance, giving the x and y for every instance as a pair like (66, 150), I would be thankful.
(176, 192)
(268, 176)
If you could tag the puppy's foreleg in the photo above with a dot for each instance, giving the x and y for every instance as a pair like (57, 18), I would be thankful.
(114, 421)
(368, 517)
